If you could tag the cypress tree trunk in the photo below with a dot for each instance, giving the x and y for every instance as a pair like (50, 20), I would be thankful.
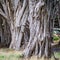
(31, 15)
(39, 41)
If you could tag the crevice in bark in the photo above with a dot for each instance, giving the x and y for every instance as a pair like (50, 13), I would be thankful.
(5, 33)
(39, 33)
(30, 25)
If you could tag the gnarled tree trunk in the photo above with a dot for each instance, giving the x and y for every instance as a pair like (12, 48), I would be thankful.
(39, 41)
(31, 15)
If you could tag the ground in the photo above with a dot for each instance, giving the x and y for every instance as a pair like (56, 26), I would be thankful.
(9, 54)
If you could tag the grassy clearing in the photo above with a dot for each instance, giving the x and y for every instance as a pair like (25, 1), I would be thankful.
(9, 54)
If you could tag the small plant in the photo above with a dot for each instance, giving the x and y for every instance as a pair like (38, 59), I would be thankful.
(55, 38)
(21, 56)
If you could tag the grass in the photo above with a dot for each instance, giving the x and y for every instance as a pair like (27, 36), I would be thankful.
(9, 54)
(6, 54)
(9, 57)
(57, 54)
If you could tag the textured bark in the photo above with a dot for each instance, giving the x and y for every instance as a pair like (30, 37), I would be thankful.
(5, 34)
(16, 15)
(39, 30)
(30, 23)
(21, 16)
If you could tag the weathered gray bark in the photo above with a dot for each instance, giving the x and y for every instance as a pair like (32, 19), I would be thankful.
(39, 30)
(20, 22)
(5, 34)
(17, 14)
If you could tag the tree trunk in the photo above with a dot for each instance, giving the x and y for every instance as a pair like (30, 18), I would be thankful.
(39, 30)
(19, 31)
(31, 15)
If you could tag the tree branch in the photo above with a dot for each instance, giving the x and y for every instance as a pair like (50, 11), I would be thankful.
(3, 14)
(20, 14)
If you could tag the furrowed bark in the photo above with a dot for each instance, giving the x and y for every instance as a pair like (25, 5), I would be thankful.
(19, 31)
(30, 25)
(38, 30)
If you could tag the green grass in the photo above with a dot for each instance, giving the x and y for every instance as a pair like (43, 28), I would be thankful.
(7, 54)
(2, 57)
(10, 57)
